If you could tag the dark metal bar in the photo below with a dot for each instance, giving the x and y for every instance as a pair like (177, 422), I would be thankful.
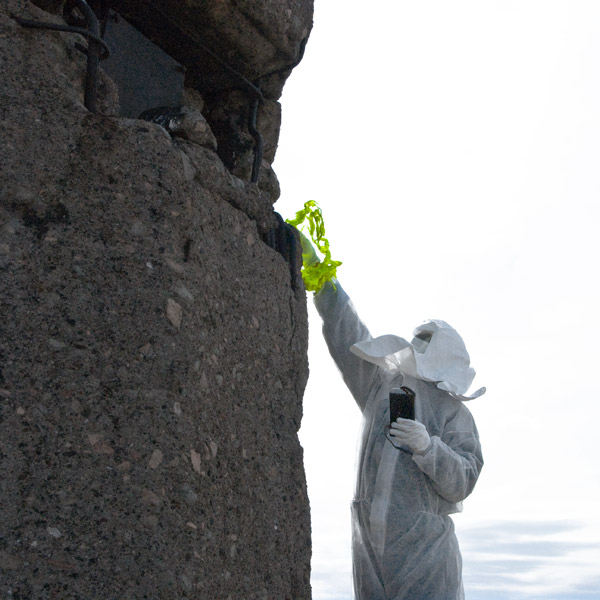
(258, 141)
(93, 56)
(96, 50)
(68, 29)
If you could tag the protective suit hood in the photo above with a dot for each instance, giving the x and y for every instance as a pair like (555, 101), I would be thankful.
(444, 360)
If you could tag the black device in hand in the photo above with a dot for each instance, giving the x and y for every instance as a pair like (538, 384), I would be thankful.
(402, 404)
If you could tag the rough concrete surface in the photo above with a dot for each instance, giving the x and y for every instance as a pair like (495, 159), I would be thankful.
(255, 37)
(152, 355)
(222, 44)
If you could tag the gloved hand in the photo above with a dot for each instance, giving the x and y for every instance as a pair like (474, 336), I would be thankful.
(406, 432)
(309, 254)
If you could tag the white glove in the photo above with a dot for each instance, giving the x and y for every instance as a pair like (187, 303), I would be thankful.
(406, 432)
(309, 254)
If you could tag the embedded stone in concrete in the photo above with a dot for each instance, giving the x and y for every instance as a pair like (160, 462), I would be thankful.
(152, 356)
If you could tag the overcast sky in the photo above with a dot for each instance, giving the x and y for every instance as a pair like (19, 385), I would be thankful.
(454, 148)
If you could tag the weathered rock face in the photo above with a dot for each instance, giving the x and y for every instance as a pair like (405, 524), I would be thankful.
(256, 38)
(224, 44)
(152, 353)
(231, 49)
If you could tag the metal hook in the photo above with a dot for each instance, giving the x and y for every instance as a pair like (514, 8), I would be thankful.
(95, 45)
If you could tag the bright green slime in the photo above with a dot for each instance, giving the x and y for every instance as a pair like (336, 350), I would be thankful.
(317, 274)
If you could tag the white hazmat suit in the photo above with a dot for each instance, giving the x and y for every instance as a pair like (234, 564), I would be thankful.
(404, 546)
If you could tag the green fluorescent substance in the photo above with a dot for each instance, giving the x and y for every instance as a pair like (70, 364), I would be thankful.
(317, 273)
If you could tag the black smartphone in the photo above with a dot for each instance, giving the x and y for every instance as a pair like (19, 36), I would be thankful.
(402, 404)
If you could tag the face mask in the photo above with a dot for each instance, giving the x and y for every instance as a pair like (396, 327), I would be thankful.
(420, 341)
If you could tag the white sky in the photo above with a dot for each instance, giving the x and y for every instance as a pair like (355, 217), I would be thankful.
(454, 148)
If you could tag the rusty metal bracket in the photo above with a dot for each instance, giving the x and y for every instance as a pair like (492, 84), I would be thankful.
(257, 98)
(96, 50)
(254, 132)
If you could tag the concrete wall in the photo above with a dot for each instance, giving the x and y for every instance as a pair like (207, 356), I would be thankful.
(152, 354)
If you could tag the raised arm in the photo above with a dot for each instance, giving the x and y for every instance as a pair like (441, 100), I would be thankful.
(342, 328)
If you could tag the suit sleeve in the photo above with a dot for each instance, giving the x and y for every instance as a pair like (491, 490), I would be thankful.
(341, 328)
(454, 461)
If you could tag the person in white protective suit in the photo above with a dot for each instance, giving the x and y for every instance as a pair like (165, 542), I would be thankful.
(412, 474)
